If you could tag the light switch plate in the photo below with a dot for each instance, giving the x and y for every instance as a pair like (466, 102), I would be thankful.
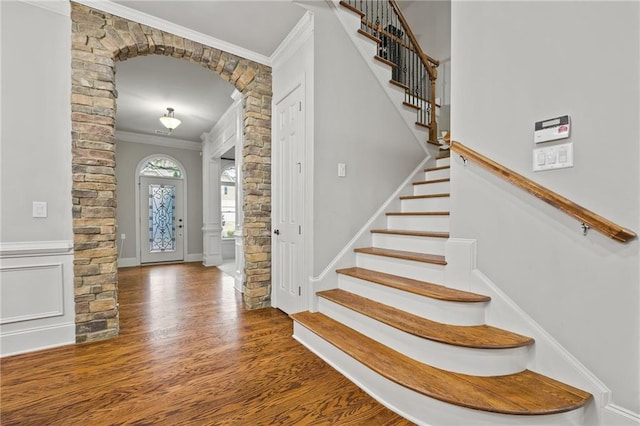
(39, 209)
(553, 157)
(342, 169)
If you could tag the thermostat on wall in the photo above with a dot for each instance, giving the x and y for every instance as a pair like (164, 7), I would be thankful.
(552, 129)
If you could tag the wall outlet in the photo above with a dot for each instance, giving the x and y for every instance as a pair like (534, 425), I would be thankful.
(123, 236)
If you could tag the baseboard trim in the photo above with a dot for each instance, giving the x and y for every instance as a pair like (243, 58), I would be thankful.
(127, 262)
(615, 415)
(19, 342)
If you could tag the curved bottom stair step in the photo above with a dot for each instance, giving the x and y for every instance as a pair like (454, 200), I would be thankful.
(476, 336)
(524, 393)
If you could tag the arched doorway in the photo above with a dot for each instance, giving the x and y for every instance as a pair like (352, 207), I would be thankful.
(99, 41)
(161, 209)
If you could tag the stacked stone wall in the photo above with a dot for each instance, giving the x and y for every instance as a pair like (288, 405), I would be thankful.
(99, 40)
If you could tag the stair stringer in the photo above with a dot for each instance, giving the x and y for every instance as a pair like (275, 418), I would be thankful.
(367, 48)
(412, 406)
(328, 279)
(549, 357)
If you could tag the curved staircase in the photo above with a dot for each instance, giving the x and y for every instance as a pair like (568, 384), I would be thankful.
(421, 348)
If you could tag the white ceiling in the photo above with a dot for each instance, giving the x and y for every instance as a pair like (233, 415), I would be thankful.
(147, 85)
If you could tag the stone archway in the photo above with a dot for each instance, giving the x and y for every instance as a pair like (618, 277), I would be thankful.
(99, 40)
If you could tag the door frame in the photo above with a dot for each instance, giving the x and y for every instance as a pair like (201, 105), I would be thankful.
(185, 205)
(307, 184)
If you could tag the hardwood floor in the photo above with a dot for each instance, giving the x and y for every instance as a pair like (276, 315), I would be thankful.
(188, 354)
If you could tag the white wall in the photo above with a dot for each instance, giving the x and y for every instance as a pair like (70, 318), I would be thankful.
(430, 21)
(36, 254)
(36, 122)
(128, 155)
(356, 124)
(507, 73)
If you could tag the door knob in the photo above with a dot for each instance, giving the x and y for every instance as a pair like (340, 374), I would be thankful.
(277, 232)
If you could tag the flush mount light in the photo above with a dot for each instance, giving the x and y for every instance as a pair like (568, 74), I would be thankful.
(169, 121)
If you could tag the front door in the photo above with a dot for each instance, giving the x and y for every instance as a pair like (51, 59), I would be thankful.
(162, 224)
(288, 172)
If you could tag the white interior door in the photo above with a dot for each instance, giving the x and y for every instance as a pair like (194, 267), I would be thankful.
(288, 179)
(162, 224)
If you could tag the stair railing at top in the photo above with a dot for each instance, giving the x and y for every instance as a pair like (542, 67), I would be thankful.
(413, 70)
(588, 219)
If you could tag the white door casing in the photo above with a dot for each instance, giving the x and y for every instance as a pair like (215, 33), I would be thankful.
(168, 241)
(288, 202)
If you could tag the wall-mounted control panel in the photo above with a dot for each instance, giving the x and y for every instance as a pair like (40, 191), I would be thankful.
(552, 129)
(553, 157)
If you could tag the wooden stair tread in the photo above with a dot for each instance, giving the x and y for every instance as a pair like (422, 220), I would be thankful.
(369, 36)
(405, 255)
(398, 84)
(415, 197)
(384, 61)
(425, 182)
(524, 393)
(410, 105)
(468, 336)
(411, 233)
(419, 124)
(352, 8)
(421, 288)
(417, 214)
(433, 169)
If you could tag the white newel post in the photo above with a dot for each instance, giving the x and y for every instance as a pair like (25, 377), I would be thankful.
(211, 229)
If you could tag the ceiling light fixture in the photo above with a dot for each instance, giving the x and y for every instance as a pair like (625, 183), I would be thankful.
(169, 121)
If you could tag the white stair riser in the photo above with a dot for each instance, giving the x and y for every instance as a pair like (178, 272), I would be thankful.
(405, 268)
(413, 406)
(369, 46)
(434, 204)
(443, 162)
(430, 245)
(432, 188)
(425, 223)
(455, 313)
(478, 362)
(437, 174)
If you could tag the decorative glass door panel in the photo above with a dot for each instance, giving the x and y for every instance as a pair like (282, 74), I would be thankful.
(161, 220)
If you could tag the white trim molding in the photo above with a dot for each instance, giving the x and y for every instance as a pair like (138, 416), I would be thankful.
(170, 27)
(133, 137)
(31, 248)
(294, 40)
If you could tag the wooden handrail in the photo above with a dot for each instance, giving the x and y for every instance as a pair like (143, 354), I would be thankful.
(423, 57)
(587, 217)
(429, 63)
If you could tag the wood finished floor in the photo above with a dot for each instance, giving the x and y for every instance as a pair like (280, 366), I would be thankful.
(188, 353)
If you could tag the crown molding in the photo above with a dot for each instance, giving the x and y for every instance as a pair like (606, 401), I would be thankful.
(61, 7)
(164, 25)
(294, 40)
(123, 136)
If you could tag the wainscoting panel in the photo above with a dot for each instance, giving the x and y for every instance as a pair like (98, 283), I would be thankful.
(30, 292)
(37, 308)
